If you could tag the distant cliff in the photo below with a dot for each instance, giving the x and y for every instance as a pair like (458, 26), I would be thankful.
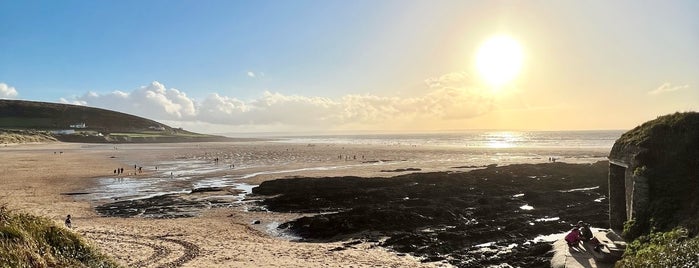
(74, 123)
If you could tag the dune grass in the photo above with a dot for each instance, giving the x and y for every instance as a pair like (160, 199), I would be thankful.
(20, 136)
(31, 241)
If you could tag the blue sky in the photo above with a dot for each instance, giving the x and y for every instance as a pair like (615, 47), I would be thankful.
(236, 66)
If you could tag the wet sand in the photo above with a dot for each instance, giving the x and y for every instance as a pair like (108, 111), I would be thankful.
(40, 179)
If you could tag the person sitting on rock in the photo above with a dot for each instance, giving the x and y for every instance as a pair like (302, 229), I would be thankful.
(585, 232)
(573, 238)
(587, 237)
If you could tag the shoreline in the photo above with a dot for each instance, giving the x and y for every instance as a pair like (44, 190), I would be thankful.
(35, 187)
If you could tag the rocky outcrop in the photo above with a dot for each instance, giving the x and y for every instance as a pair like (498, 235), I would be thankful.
(470, 219)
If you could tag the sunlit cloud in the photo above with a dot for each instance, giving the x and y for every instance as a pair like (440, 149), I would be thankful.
(666, 88)
(7, 92)
(251, 74)
(153, 101)
(453, 79)
(445, 98)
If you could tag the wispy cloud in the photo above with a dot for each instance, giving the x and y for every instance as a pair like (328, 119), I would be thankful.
(251, 74)
(666, 88)
(7, 92)
(446, 98)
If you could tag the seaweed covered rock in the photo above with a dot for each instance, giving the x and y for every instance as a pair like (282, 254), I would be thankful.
(654, 176)
(480, 218)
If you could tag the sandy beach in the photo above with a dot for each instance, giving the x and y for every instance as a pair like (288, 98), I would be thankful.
(50, 180)
(36, 178)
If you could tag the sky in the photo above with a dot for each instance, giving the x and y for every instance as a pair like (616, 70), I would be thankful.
(354, 66)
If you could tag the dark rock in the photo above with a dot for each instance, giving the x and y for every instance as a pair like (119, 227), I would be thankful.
(207, 189)
(434, 215)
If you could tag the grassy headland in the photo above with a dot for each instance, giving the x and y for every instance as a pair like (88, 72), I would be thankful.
(29, 121)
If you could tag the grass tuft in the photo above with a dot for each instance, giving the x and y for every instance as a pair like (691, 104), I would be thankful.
(30, 241)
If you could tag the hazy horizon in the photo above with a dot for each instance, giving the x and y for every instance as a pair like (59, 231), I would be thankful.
(273, 134)
(357, 67)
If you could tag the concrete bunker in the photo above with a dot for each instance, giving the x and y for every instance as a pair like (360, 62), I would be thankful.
(653, 176)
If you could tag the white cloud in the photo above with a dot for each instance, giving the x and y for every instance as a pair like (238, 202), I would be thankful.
(7, 92)
(74, 102)
(666, 88)
(153, 101)
(251, 74)
(446, 98)
(454, 79)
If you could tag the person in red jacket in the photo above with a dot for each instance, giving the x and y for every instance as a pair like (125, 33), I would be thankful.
(573, 238)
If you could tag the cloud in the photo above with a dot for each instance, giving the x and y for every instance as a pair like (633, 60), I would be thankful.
(7, 92)
(446, 98)
(666, 88)
(251, 74)
(454, 79)
(153, 101)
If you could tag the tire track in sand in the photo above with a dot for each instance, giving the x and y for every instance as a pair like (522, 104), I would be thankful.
(165, 248)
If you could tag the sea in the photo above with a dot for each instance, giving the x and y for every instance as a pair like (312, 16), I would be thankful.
(591, 139)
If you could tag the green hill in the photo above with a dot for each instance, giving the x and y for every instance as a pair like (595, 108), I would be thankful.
(74, 123)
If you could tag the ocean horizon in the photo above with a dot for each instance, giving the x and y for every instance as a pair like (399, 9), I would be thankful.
(494, 139)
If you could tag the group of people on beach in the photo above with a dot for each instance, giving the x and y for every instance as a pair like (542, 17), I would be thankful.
(582, 233)
(136, 169)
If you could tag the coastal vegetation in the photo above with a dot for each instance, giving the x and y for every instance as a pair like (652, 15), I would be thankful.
(30, 241)
(662, 249)
(24, 136)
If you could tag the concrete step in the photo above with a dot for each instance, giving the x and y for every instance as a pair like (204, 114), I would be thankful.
(584, 255)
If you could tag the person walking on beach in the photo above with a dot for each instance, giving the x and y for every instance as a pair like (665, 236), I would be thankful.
(68, 222)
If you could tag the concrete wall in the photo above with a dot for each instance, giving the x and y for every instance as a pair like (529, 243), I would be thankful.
(639, 197)
(617, 195)
(628, 194)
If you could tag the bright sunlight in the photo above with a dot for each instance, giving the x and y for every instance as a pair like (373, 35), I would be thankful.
(499, 60)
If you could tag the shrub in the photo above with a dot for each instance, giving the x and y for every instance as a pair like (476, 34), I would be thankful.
(662, 249)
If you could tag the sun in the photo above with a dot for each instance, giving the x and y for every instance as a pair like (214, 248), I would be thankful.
(499, 60)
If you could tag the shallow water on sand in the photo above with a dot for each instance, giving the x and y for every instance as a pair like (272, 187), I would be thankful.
(180, 170)
(171, 177)
(183, 176)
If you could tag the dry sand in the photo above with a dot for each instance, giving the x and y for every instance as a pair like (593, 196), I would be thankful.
(35, 178)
